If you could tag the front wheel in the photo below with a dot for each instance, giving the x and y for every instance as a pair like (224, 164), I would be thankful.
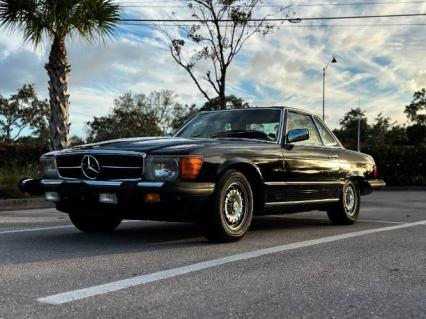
(231, 212)
(95, 222)
(346, 211)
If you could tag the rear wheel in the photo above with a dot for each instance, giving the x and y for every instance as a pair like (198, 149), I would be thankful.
(95, 222)
(231, 212)
(346, 211)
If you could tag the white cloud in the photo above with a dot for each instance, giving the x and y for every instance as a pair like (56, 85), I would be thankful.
(378, 66)
(419, 82)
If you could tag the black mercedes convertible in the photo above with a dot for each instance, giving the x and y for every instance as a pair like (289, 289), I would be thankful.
(219, 170)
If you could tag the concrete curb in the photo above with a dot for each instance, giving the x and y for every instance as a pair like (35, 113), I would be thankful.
(24, 203)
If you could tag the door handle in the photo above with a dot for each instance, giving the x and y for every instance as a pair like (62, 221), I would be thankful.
(333, 156)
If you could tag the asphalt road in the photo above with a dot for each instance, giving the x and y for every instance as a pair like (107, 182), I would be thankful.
(286, 267)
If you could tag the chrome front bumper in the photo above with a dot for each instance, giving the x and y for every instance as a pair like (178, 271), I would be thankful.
(39, 187)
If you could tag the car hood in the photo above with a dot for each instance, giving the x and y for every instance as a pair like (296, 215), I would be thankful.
(160, 144)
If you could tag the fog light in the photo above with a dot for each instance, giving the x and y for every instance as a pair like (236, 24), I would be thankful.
(108, 198)
(152, 198)
(52, 196)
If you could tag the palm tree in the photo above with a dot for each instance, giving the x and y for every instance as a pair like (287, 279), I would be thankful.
(57, 20)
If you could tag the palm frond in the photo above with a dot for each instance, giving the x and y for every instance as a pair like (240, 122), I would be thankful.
(25, 16)
(95, 20)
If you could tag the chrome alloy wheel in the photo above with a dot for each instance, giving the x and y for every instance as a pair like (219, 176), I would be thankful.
(235, 205)
(349, 199)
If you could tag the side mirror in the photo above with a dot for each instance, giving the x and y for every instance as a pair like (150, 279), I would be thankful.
(297, 135)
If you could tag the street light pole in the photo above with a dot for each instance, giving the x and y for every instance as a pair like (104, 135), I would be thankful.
(333, 60)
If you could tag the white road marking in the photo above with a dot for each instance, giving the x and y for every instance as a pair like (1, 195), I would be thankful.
(359, 220)
(25, 230)
(379, 221)
(33, 229)
(78, 294)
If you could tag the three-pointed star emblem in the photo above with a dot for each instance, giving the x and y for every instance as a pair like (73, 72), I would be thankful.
(90, 167)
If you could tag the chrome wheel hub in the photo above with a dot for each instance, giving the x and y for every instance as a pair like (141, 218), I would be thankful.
(235, 205)
(349, 200)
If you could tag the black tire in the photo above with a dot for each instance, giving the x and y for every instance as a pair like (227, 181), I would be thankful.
(346, 211)
(95, 222)
(231, 210)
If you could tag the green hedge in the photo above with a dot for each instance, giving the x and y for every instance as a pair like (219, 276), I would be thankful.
(401, 165)
(20, 155)
(17, 161)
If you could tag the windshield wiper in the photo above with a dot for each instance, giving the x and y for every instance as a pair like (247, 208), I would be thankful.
(231, 132)
(247, 133)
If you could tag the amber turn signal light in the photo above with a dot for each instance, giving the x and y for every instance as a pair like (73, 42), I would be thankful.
(152, 198)
(189, 167)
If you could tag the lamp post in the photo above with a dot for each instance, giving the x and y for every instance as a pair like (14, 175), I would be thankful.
(333, 60)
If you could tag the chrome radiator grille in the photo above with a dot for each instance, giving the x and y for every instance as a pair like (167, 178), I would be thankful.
(108, 166)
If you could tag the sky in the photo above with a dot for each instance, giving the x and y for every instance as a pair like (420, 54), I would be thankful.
(381, 62)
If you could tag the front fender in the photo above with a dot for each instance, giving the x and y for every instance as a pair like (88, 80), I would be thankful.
(240, 162)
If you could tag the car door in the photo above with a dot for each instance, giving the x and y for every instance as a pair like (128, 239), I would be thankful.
(333, 148)
(308, 165)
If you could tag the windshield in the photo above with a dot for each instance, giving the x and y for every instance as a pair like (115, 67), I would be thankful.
(261, 124)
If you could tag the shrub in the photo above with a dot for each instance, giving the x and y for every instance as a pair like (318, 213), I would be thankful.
(17, 161)
(401, 165)
(20, 154)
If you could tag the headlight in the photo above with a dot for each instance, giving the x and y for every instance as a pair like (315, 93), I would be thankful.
(162, 168)
(48, 168)
(159, 168)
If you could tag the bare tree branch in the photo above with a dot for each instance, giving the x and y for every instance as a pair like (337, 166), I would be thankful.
(212, 83)
(213, 40)
(191, 74)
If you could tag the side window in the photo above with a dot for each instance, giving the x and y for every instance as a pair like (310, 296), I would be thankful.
(327, 138)
(301, 121)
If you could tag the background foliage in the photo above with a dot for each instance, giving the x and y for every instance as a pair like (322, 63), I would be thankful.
(399, 150)
(18, 160)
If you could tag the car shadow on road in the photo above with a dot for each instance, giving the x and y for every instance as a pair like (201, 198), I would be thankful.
(139, 237)
(266, 223)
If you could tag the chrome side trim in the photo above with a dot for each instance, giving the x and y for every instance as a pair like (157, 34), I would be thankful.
(303, 183)
(303, 202)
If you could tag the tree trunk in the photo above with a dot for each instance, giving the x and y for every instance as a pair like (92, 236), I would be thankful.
(222, 95)
(58, 70)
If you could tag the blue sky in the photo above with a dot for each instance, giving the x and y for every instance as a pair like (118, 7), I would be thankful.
(379, 67)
